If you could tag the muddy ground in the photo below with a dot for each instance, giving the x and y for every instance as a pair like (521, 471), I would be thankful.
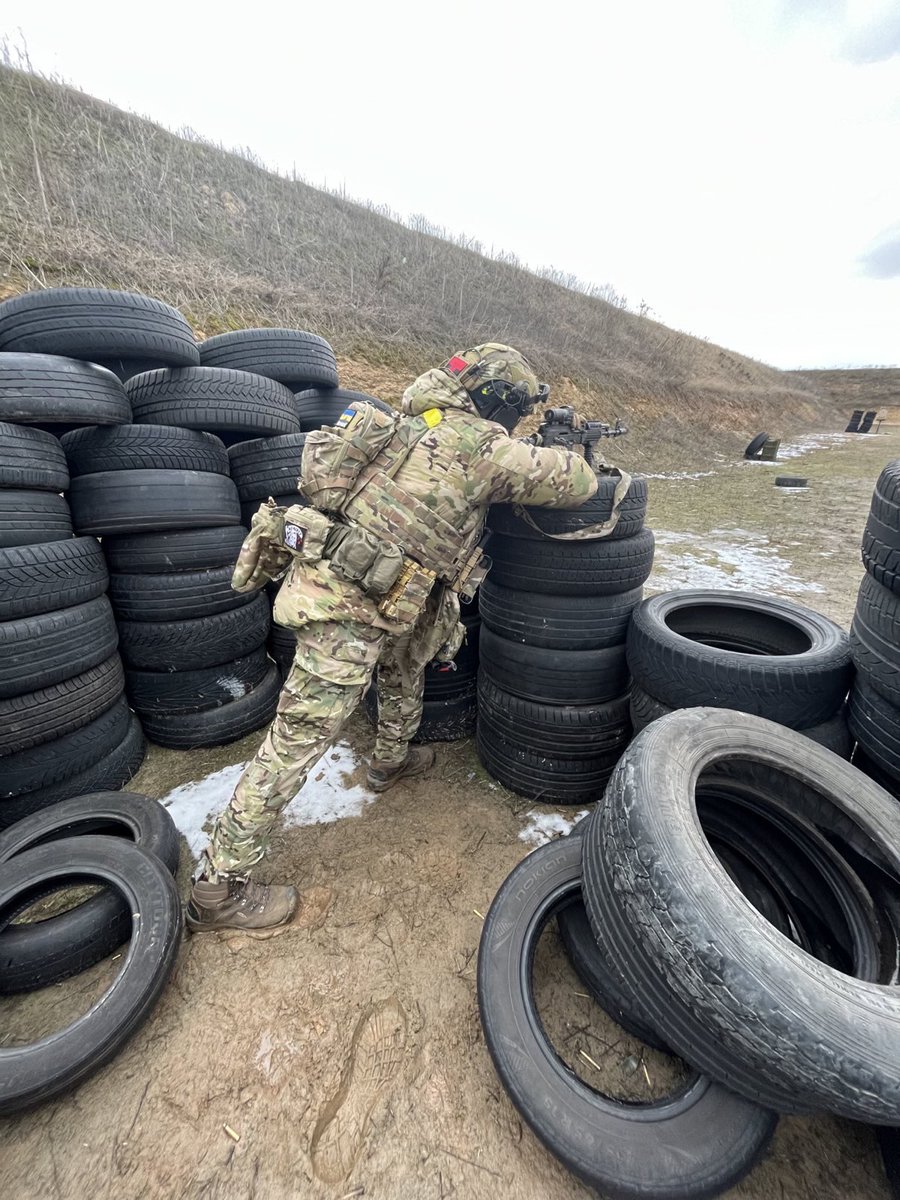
(344, 1057)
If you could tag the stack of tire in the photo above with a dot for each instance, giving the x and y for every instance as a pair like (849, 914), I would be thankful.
(875, 639)
(450, 699)
(128, 844)
(752, 653)
(169, 516)
(553, 711)
(733, 899)
(65, 726)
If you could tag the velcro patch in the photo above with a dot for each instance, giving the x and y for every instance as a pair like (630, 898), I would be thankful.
(294, 536)
(346, 417)
(457, 365)
(432, 417)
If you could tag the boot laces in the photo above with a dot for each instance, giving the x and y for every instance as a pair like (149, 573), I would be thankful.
(249, 895)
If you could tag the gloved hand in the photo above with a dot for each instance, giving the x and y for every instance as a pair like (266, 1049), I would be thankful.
(261, 558)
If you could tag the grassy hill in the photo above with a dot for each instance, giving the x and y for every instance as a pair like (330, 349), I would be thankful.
(91, 194)
(862, 387)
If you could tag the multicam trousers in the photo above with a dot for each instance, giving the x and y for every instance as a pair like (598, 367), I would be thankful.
(332, 669)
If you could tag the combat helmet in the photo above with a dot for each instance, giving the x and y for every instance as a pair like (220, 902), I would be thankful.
(499, 380)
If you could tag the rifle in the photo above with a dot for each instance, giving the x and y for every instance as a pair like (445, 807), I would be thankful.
(563, 427)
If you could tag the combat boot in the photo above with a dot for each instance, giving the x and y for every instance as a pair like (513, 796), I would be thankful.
(382, 776)
(239, 904)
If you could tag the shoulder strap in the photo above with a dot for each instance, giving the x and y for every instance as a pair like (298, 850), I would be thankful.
(391, 457)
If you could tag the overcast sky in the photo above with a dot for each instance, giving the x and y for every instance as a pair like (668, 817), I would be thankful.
(733, 163)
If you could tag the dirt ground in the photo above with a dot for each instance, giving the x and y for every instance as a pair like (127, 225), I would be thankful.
(345, 1054)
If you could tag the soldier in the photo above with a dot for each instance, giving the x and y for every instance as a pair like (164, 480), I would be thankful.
(422, 516)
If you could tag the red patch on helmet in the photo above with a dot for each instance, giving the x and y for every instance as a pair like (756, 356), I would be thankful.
(456, 366)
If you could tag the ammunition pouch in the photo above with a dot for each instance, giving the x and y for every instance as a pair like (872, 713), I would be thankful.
(361, 558)
(409, 595)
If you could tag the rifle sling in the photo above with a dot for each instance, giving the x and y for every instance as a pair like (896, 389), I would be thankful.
(589, 532)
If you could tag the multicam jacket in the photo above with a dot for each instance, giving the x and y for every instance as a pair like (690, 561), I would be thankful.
(460, 467)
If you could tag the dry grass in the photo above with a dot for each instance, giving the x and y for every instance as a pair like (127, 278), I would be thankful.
(93, 195)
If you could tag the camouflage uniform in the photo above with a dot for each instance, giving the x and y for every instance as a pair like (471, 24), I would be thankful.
(462, 465)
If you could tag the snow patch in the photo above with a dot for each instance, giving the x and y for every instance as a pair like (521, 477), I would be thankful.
(193, 805)
(804, 445)
(733, 559)
(677, 475)
(543, 827)
(326, 796)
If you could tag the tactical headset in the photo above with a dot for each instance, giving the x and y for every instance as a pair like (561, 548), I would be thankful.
(505, 402)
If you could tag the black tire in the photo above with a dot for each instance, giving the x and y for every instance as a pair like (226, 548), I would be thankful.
(789, 872)
(551, 779)
(881, 539)
(53, 762)
(869, 767)
(232, 404)
(111, 502)
(756, 444)
(570, 731)
(51, 712)
(143, 448)
(42, 578)
(833, 734)
(596, 568)
(875, 723)
(791, 481)
(756, 654)
(31, 458)
(632, 511)
(598, 976)
(41, 953)
(93, 323)
(31, 1074)
(192, 645)
(624, 1150)
(126, 368)
(179, 550)
(116, 767)
(289, 355)
(284, 499)
(557, 622)
(875, 638)
(57, 393)
(166, 693)
(181, 730)
(448, 720)
(814, 896)
(29, 518)
(36, 652)
(560, 676)
(785, 1029)
(178, 597)
(443, 681)
(266, 466)
(323, 406)
(283, 647)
